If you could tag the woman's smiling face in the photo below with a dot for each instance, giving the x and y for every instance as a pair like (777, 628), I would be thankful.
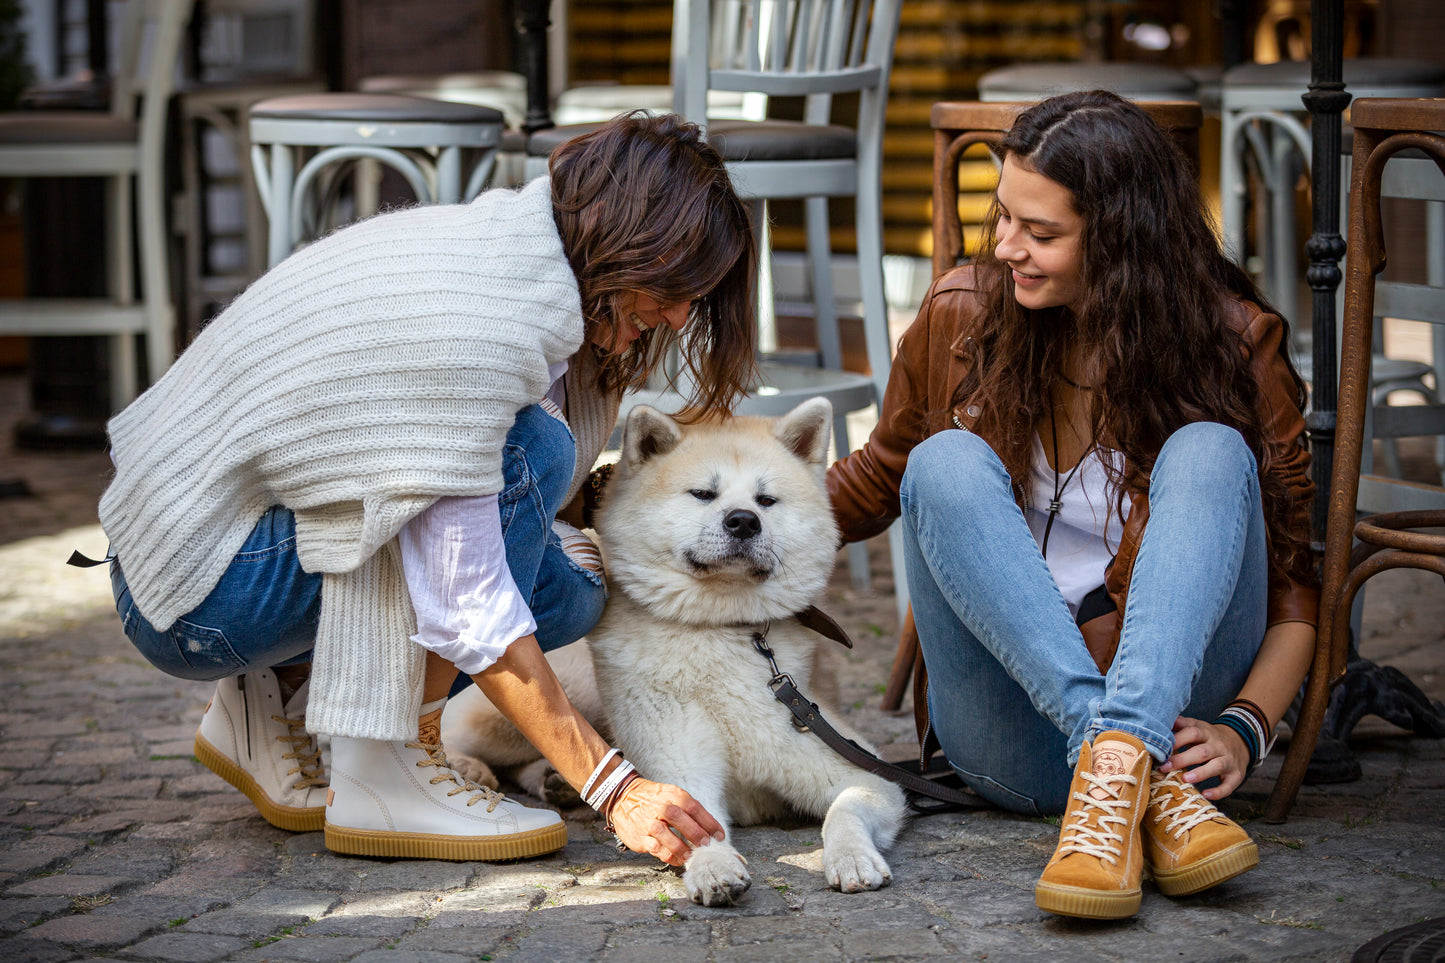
(1039, 238)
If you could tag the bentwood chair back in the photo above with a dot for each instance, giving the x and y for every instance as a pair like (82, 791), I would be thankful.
(1397, 150)
(127, 147)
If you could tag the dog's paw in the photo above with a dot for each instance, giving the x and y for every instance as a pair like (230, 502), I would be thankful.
(541, 780)
(855, 869)
(716, 875)
(472, 768)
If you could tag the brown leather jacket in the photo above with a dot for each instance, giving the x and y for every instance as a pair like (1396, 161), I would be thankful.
(934, 355)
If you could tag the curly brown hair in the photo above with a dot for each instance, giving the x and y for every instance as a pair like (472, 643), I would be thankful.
(1156, 289)
(644, 204)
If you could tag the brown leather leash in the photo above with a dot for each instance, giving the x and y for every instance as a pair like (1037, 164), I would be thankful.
(808, 717)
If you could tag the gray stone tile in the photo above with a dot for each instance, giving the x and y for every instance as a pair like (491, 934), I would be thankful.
(185, 948)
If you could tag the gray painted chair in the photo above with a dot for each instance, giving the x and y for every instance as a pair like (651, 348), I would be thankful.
(127, 147)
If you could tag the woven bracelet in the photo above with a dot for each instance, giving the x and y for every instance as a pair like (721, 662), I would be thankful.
(1243, 723)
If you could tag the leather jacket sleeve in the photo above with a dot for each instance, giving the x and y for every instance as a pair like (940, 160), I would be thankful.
(864, 486)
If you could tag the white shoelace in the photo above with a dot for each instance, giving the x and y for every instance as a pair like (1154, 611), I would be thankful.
(1188, 808)
(435, 756)
(1098, 840)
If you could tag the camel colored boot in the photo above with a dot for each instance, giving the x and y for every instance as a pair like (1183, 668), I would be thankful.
(403, 799)
(1096, 868)
(1190, 845)
(256, 743)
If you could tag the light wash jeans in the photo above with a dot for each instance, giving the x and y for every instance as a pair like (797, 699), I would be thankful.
(1013, 693)
(264, 610)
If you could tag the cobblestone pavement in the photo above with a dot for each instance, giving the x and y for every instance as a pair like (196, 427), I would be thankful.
(115, 843)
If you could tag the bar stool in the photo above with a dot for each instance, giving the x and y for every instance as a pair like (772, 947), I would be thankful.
(1262, 114)
(1141, 82)
(297, 140)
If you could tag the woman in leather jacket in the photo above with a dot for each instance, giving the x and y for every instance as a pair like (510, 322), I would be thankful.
(1093, 438)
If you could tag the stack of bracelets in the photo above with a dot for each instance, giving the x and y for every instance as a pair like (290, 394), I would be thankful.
(607, 791)
(1250, 723)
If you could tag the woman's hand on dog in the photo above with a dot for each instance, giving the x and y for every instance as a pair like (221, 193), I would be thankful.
(663, 821)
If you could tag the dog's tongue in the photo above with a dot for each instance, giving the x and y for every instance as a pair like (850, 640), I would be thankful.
(1111, 757)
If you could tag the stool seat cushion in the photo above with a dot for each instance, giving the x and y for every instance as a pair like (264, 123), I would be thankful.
(1121, 78)
(382, 108)
(1357, 72)
(65, 127)
(739, 140)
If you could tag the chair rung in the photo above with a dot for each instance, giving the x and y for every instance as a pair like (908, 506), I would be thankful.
(69, 316)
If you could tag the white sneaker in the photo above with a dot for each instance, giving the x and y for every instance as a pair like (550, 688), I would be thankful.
(403, 799)
(256, 743)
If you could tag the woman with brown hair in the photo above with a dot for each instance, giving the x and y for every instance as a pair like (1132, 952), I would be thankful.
(344, 492)
(1101, 366)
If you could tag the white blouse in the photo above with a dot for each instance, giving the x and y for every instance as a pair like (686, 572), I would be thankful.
(1086, 533)
(468, 609)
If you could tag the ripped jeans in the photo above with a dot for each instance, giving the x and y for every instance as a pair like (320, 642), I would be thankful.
(264, 610)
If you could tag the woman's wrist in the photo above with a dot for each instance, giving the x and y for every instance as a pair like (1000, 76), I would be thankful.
(1249, 723)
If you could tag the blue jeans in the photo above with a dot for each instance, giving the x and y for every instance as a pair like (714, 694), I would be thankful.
(1013, 693)
(264, 610)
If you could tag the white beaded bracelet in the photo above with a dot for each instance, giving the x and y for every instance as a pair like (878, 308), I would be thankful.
(587, 787)
(604, 791)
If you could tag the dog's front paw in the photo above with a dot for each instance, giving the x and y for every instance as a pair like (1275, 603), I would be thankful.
(855, 869)
(541, 780)
(716, 875)
(472, 768)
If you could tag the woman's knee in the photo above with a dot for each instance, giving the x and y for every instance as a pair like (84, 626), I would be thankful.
(1206, 451)
(944, 465)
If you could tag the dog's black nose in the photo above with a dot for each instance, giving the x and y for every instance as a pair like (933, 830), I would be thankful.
(742, 523)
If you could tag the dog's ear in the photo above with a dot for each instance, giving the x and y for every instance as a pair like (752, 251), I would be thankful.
(806, 430)
(647, 434)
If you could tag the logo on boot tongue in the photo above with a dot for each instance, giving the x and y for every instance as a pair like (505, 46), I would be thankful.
(1111, 759)
(430, 732)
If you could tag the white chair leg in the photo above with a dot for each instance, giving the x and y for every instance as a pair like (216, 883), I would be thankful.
(120, 286)
(160, 323)
(820, 262)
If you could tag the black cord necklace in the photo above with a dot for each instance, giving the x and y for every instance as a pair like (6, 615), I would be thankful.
(1056, 505)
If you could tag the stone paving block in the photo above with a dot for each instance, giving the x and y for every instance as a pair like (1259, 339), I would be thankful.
(882, 910)
(471, 942)
(797, 953)
(233, 922)
(185, 948)
(674, 933)
(488, 898)
(782, 929)
(305, 844)
(308, 903)
(760, 900)
(22, 913)
(417, 874)
(624, 953)
(145, 788)
(87, 932)
(405, 956)
(32, 819)
(549, 944)
(608, 905)
(69, 884)
(305, 948)
(897, 944)
(224, 891)
(40, 852)
(95, 757)
(59, 775)
(363, 924)
(20, 950)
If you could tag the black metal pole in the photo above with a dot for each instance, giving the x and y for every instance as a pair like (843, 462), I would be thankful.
(532, 21)
(1325, 101)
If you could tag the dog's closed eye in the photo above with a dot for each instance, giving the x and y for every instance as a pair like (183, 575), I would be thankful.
(703, 494)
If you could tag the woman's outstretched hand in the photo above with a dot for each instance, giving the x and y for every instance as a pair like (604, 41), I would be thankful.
(1211, 751)
(662, 820)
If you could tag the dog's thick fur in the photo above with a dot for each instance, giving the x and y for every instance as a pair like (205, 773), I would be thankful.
(711, 533)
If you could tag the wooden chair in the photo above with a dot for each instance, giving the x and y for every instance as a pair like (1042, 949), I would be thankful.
(1388, 539)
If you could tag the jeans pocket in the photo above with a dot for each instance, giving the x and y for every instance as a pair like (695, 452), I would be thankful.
(999, 794)
(207, 652)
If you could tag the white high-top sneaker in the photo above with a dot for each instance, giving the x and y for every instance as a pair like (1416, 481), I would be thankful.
(256, 743)
(403, 799)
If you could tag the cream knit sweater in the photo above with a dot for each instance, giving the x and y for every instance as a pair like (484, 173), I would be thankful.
(358, 381)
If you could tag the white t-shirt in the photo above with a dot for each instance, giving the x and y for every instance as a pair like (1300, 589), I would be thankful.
(1086, 532)
(468, 609)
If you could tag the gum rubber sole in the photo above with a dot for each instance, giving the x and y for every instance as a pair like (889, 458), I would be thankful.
(380, 842)
(1210, 871)
(1091, 904)
(293, 818)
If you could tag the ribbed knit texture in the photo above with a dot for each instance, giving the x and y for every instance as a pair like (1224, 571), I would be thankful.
(355, 383)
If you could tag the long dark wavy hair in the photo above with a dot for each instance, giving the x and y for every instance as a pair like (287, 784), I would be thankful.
(1156, 292)
(644, 204)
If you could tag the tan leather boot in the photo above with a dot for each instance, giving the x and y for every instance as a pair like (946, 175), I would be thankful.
(1096, 868)
(1190, 845)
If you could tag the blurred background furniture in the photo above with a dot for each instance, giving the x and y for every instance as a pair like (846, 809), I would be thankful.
(1388, 133)
(1264, 131)
(445, 151)
(127, 147)
(1133, 81)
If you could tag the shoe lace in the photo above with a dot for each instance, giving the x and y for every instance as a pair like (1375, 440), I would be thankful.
(436, 756)
(1094, 837)
(1181, 804)
(305, 751)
